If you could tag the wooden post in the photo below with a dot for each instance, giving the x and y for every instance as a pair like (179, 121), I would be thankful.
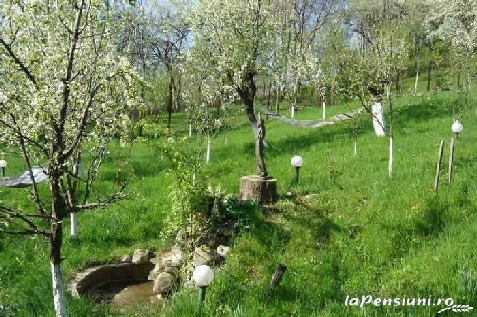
(330, 161)
(277, 277)
(439, 161)
(451, 160)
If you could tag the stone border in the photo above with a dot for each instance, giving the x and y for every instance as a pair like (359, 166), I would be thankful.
(87, 281)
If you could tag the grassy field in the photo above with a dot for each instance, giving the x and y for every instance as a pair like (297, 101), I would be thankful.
(351, 234)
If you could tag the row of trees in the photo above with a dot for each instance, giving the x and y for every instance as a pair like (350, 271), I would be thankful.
(65, 87)
(287, 45)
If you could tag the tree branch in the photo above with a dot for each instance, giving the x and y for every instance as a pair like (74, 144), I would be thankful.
(17, 61)
(11, 215)
(26, 156)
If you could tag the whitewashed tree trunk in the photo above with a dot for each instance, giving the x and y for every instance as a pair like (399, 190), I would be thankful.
(190, 130)
(207, 153)
(78, 171)
(378, 119)
(391, 157)
(74, 224)
(59, 299)
(416, 81)
(323, 108)
(295, 93)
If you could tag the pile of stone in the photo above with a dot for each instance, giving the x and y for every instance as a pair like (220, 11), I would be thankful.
(166, 273)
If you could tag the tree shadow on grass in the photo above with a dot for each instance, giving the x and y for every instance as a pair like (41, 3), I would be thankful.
(417, 113)
(303, 141)
(271, 235)
(313, 220)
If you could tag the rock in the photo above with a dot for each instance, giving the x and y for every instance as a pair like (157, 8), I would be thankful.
(223, 251)
(311, 197)
(173, 270)
(154, 273)
(125, 258)
(167, 259)
(154, 258)
(141, 256)
(176, 253)
(204, 256)
(163, 283)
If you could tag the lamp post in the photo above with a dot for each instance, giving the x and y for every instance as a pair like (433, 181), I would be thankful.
(3, 164)
(297, 162)
(202, 276)
(457, 128)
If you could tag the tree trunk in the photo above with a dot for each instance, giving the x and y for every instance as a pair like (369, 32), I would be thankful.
(59, 299)
(74, 224)
(323, 106)
(459, 74)
(295, 99)
(169, 103)
(207, 153)
(58, 213)
(398, 83)
(269, 95)
(429, 68)
(217, 108)
(247, 94)
(417, 79)
(390, 133)
(391, 157)
(249, 110)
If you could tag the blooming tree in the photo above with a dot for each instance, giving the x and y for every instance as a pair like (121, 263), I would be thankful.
(456, 21)
(233, 40)
(368, 70)
(63, 90)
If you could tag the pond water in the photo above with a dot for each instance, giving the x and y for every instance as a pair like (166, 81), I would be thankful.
(124, 294)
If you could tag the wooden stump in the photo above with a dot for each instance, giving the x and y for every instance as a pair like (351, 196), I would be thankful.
(262, 189)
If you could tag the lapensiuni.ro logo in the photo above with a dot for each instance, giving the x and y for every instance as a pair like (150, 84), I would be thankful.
(408, 301)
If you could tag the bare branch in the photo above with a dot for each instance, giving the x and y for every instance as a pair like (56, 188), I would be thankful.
(108, 201)
(24, 220)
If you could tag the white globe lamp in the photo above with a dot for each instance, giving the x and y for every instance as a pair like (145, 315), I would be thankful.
(457, 128)
(202, 277)
(297, 162)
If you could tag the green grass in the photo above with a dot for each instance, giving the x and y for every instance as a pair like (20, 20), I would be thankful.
(361, 234)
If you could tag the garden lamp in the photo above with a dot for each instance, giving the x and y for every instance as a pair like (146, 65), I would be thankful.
(202, 276)
(3, 164)
(457, 128)
(297, 162)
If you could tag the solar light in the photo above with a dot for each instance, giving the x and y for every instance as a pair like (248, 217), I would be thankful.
(202, 276)
(457, 127)
(297, 162)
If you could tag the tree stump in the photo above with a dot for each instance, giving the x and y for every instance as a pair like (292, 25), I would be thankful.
(261, 189)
